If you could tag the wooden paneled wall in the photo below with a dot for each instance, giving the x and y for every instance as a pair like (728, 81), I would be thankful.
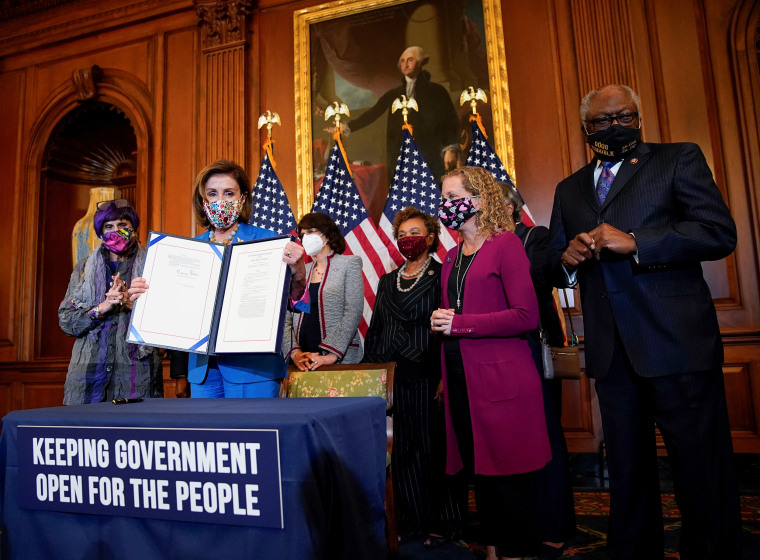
(193, 76)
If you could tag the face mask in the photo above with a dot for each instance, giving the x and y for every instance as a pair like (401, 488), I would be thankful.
(120, 242)
(412, 246)
(613, 143)
(454, 213)
(312, 243)
(222, 213)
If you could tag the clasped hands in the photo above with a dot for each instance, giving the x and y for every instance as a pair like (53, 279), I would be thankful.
(440, 321)
(586, 246)
(309, 361)
(116, 295)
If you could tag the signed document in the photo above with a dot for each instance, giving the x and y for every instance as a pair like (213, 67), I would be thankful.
(209, 298)
(253, 307)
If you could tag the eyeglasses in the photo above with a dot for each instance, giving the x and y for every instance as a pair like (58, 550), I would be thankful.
(119, 203)
(603, 123)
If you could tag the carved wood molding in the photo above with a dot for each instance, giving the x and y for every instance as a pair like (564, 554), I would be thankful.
(53, 21)
(17, 8)
(86, 82)
(222, 21)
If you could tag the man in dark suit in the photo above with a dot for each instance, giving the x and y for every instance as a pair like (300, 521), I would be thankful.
(434, 125)
(632, 228)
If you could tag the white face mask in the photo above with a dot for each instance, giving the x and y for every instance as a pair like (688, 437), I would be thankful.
(312, 243)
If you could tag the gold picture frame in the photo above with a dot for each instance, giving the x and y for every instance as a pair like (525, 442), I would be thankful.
(306, 18)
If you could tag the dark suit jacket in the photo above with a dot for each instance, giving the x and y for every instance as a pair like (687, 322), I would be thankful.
(661, 306)
(403, 326)
(434, 125)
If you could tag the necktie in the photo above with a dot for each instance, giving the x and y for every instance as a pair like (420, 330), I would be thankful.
(605, 181)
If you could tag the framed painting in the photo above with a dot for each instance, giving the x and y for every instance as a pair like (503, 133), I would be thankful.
(350, 52)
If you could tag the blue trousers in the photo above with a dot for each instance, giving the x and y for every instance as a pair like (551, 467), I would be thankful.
(216, 387)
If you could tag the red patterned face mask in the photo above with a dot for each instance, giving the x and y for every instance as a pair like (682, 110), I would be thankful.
(412, 246)
(222, 213)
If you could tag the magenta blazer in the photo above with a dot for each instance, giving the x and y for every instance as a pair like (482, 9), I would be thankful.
(503, 386)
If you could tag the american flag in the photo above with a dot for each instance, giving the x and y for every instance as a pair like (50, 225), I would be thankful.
(482, 155)
(271, 209)
(339, 198)
(413, 185)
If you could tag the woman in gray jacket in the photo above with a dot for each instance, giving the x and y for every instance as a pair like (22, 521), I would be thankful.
(328, 333)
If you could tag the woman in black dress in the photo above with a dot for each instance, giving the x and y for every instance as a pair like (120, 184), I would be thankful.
(400, 332)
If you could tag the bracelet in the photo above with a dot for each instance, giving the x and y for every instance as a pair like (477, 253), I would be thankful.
(94, 313)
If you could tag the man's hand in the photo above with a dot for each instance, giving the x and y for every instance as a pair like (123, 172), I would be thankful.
(607, 237)
(580, 249)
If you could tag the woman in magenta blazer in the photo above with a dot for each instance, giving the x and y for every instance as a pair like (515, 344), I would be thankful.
(495, 426)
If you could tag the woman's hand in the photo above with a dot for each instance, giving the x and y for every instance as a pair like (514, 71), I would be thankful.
(441, 320)
(439, 393)
(318, 361)
(182, 388)
(302, 360)
(138, 287)
(293, 256)
(115, 296)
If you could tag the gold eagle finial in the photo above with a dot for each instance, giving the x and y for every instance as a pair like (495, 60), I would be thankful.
(335, 110)
(473, 96)
(404, 104)
(269, 118)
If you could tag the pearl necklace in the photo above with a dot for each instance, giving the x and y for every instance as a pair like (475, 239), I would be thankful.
(418, 274)
(228, 239)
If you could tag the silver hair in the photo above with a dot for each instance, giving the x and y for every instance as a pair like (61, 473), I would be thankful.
(419, 53)
(511, 196)
(590, 95)
(451, 148)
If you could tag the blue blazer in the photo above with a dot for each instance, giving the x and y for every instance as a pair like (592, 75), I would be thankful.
(661, 305)
(239, 368)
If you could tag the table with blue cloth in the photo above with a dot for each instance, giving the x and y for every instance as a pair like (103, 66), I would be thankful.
(332, 473)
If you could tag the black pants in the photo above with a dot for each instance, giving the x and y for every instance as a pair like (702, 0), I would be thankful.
(690, 411)
(427, 501)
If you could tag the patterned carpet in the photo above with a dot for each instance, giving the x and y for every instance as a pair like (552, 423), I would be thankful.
(592, 509)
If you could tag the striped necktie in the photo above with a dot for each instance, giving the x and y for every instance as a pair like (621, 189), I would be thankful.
(605, 181)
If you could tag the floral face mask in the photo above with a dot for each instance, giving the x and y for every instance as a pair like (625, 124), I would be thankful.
(223, 213)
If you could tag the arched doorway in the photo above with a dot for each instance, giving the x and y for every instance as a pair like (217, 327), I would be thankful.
(93, 147)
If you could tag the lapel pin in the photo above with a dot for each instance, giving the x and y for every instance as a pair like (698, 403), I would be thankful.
(431, 272)
(448, 259)
(634, 160)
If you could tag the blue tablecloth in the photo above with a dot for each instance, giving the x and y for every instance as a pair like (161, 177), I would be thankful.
(333, 478)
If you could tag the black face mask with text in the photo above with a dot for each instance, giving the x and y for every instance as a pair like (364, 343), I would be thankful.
(615, 142)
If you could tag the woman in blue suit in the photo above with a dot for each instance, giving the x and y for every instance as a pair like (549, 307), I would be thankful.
(223, 203)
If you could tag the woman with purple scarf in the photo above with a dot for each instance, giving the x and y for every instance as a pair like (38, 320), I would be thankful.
(96, 310)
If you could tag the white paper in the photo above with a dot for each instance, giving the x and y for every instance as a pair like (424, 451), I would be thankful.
(177, 310)
(252, 307)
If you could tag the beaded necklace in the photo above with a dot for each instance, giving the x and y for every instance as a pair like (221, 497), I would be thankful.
(419, 274)
(226, 240)
(458, 264)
